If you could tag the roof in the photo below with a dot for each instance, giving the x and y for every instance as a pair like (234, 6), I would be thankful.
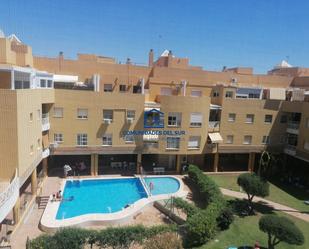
(2, 35)
(282, 64)
(165, 53)
(155, 110)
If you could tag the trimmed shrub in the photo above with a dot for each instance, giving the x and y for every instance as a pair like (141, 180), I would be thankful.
(279, 229)
(200, 228)
(208, 189)
(226, 218)
(115, 237)
(253, 185)
(187, 207)
(164, 241)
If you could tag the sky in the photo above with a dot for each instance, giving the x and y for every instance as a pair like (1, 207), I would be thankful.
(211, 33)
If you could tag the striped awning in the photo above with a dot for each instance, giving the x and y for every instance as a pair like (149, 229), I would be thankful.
(215, 137)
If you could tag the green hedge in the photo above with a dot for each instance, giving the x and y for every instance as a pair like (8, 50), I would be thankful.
(207, 188)
(202, 224)
(114, 237)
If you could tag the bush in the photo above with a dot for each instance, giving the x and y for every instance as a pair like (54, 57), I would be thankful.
(115, 237)
(226, 218)
(164, 241)
(200, 228)
(253, 185)
(187, 207)
(208, 189)
(280, 229)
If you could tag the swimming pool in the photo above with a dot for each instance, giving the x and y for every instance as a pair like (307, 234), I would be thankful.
(106, 196)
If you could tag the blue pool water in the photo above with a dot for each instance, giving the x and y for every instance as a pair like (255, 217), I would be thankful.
(163, 185)
(109, 195)
(99, 196)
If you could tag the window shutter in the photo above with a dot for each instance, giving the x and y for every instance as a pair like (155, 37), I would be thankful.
(196, 117)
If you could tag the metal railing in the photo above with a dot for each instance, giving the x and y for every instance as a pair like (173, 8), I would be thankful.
(45, 118)
(9, 196)
(293, 125)
(214, 124)
(290, 147)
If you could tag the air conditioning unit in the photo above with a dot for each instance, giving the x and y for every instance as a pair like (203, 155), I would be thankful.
(130, 120)
(107, 121)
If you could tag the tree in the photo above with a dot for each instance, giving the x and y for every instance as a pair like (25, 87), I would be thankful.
(253, 185)
(279, 229)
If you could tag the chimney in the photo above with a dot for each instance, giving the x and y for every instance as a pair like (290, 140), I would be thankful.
(150, 58)
(169, 58)
(60, 58)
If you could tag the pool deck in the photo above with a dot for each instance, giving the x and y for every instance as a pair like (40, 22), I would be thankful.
(49, 223)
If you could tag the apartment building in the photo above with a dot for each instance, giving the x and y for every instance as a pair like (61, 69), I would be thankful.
(102, 117)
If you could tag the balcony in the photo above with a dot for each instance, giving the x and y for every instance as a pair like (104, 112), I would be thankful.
(8, 196)
(45, 122)
(45, 153)
(213, 126)
(293, 127)
(290, 150)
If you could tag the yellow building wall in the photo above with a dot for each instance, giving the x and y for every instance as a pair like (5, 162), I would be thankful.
(8, 134)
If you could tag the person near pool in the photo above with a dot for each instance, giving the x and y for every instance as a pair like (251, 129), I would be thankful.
(59, 195)
(151, 186)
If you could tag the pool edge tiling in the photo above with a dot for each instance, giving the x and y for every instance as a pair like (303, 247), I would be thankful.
(49, 222)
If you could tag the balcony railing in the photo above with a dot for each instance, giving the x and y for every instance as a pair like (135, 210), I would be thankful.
(290, 149)
(45, 153)
(214, 124)
(45, 122)
(8, 197)
(293, 125)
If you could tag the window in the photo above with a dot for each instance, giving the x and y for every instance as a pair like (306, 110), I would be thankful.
(196, 93)
(82, 139)
(283, 119)
(265, 140)
(215, 94)
(194, 142)
(58, 138)
(166, 91)
(31, 116)
(122, 88)
(229, 139)
(174, 119)
(131, 114)
(129, 139)
(107, 140)
(82, 113)
(43, 83)
(229, 94)
(282, 139)
(58, 112)
(268, 119)
(306, 145)
(247, 139)
(108, 114)
(249, 118)
(232, 117)
(108, 87)
(196, 119)
(49, 83)
(172, 142)
(31, 149)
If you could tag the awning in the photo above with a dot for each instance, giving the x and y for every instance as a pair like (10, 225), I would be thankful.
(215, 137)
(215, 107)
(151, 138)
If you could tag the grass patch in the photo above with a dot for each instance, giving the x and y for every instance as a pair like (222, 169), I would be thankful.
(245, 232)
(286, 195)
